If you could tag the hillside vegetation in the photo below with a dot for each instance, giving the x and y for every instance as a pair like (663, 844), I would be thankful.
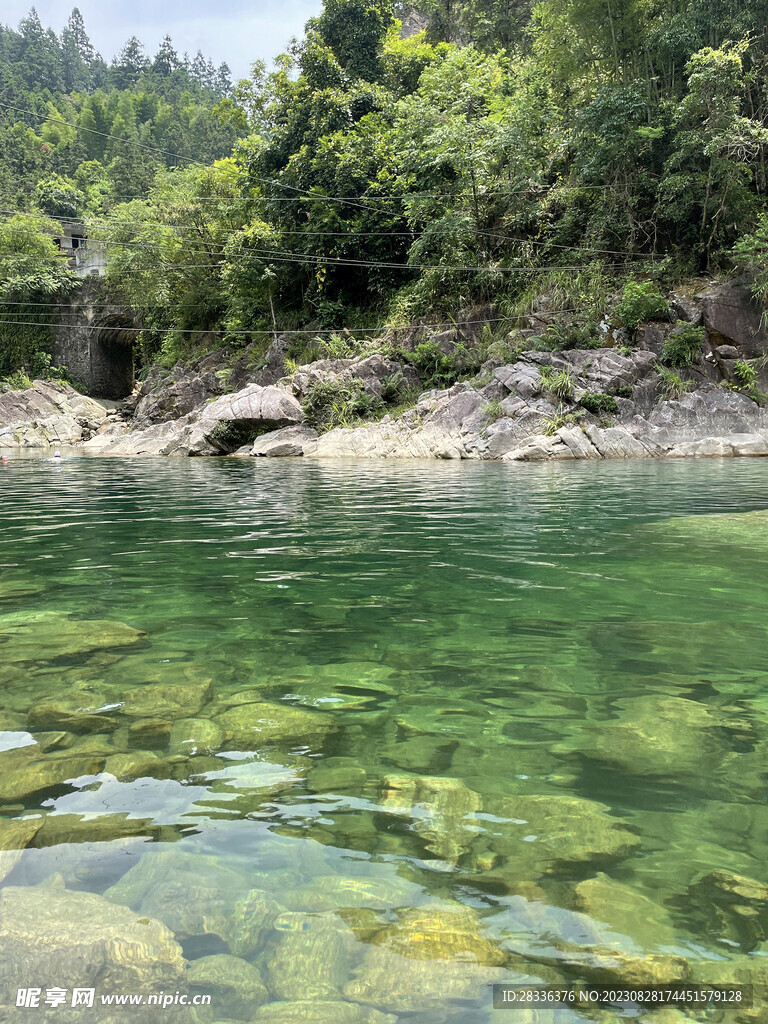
(507, 155)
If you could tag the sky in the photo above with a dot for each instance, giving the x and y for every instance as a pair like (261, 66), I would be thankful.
(236, 31)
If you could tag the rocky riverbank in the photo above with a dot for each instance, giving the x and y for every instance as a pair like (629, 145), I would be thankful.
(523, 404)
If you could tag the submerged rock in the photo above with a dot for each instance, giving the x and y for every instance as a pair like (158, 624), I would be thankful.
(252, 920)
(17, 589)
(616, 967)
(48, 636)
(58, 828)
(60, 715)
(626, 911)
(656, 735)
(698, 649)
(150, 732)
(313, 957)
(193, 736)
(24, 772)
(320, 1011)
(439, 932)
(249, 726)
(193, 894)
(349, 684)
(442, 809)
(15, 835)
(139, 764)
(153, 700)
(541, 835)
(232, 983)
(336, 775)
(339, 893)
(746, 530)
(400, 985)
(428, 958)
(731, 908)
(83, 938)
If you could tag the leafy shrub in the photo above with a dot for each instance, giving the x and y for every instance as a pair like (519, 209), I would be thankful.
(41, 369)
(493, 411)
(558, 383)
(684, 346)
(640, 301)
(301, 353)
(751, 253)
(744, 373)
(507, 352)
(745, 381)
(559, 337)
(623, 391)
(561, 419)
(393, 387)
(337, 346)
(598, 402)
(757, 396)
(673, 386)
(16, 381)
(435, 368)
(331, 402)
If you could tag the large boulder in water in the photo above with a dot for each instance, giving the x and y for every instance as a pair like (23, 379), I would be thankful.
(234, 420)
(48, 413)
(320, 1011)
(194, 894)
(219, 428)
(426, 959)
(285, 443)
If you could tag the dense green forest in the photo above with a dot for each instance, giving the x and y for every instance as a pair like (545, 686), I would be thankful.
(509, 153)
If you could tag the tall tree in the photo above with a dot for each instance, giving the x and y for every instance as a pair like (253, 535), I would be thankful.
(40, 53)
(166, 59)
(129, 65)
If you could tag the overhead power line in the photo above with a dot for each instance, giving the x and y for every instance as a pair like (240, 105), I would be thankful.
(271, 332)
(264, 254)
(303, 195)
(323, 234)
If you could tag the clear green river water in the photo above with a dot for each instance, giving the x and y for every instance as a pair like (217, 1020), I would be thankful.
(391, 733)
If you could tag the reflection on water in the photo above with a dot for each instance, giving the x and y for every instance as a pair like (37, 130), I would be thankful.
(347, 743)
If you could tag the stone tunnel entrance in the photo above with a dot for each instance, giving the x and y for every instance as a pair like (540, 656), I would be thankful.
(111, 362)
(95, 339)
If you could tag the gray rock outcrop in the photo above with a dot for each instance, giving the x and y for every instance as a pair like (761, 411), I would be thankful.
(370, 372)
(286, 442)
(168, 395)
(218, 428)
(234, 419)
(48, 413)
(730, 311)
(596, 403)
